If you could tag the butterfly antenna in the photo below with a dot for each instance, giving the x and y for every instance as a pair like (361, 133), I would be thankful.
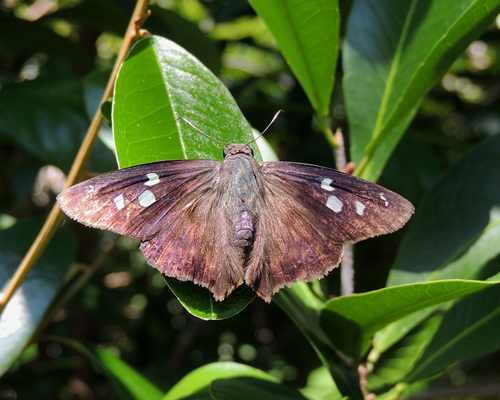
(268, 126)
(199, 130)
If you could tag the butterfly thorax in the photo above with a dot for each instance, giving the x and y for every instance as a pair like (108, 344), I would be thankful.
(240, 194)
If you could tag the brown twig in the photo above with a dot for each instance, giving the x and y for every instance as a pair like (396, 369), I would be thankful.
(56, 216)
(347, 266)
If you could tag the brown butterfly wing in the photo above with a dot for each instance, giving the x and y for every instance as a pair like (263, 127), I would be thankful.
(138, 201)
(288, 249)
(309, 212)
(197, 247)
(172, 206)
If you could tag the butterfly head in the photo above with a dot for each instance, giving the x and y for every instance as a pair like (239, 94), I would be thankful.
(237, 149)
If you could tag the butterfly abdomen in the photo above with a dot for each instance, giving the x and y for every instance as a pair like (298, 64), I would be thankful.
(243, 230)
(241, 190)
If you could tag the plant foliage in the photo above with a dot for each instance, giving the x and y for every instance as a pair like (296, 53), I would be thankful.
(412, 84)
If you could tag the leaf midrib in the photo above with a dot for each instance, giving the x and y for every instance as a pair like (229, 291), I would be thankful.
(452, 342)
(298, 44)
(418, 306)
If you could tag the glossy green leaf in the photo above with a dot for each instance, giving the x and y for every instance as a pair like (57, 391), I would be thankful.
(443, 339)
(199, 381)
(361, 315)
(158, 83)
(128, 382)
(304, 308)
(454, 233)
(307, 32)
(394, 53)
(201, 303)
(468, 330)
(25, 310)
(252, 388)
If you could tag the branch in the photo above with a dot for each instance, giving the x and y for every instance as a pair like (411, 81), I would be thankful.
(56, 216)
(347, 265)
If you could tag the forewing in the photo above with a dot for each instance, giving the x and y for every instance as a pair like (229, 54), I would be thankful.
(138, 201)
(173, 207)
(309, 212)
(342, 207)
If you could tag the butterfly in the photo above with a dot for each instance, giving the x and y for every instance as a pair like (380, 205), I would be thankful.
(222, 224)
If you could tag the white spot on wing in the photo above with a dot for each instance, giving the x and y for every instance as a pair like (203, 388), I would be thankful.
(153, 179)
(360, 208)
(91, 189)
(383, 198)
(146, 198)
(119, 202)
(325, 184)
(334, 204)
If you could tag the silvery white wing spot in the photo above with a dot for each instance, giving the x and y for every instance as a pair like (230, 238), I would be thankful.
(222, 224)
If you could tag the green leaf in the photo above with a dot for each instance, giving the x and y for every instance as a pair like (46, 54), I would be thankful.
(266, 151)
(201, 303)
(392, 366)
(361, 315)
(129, 383)
(304, 308)
(199, 381)
(454, 233)
(47, 124)
(158, 83)
(320, 386)
(94, 85)
(468, 330)
(423, 352)
(412, 169)
(307, 32)
(252, 388)
(25, 310)
(47, 118)
(394, 53)
(441, 340)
